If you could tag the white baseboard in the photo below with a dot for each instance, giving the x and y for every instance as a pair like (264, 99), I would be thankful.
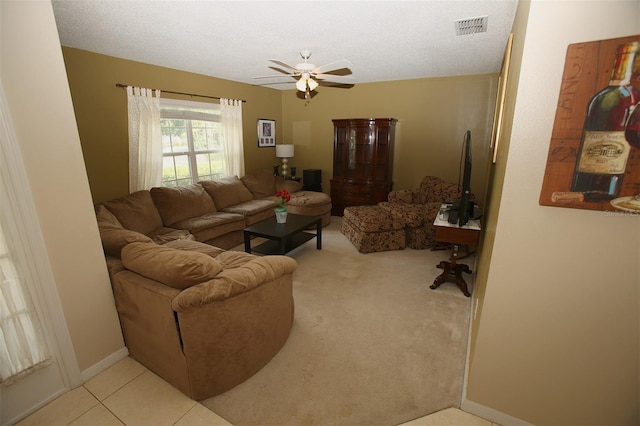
(491, 414)
(107, 362)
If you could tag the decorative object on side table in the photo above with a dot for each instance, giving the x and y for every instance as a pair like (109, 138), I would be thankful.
(284, 151)
(281, 211)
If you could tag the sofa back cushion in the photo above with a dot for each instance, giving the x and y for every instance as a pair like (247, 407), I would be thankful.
(227, 191)
(136, 212)
(176, 268)
(182, 203)
(261, 183)
(113, 236)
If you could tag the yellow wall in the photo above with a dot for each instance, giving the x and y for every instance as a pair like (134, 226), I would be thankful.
(558, 338)
(433, 115)
(35, 84)
(101, 112)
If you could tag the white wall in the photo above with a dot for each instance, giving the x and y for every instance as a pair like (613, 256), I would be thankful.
(35, 82)
(558, 338)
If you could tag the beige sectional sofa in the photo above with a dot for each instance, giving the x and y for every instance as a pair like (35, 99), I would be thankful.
(212, 212)
(202, 318)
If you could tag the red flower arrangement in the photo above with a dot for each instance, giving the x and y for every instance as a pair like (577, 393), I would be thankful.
(283, 198)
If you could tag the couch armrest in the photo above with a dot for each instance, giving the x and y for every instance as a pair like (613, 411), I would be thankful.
(234, 281)
(410, 196)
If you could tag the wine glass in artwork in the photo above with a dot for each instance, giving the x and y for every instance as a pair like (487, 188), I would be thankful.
(632, 135)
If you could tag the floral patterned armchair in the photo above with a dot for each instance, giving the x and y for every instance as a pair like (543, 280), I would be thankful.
(419, 208)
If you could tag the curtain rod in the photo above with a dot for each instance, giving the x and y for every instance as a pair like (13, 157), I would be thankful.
(123, 86)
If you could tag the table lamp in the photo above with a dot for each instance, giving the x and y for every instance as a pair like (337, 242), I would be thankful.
(285, 152)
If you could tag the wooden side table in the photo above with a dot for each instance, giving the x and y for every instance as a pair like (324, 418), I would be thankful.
(446, 232)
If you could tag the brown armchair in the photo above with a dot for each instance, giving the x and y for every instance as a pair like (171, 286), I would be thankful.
(419, 208)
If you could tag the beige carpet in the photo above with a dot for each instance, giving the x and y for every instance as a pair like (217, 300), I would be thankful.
(371, 344)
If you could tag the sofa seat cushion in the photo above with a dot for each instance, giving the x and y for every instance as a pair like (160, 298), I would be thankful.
(410, 196)
(249, 272)
(192, 245)
(163, 235)
(309, 199)
(227, 191)
(136, 212)
(181, 203)
(176, 268)
(252, 207)
(212, 225)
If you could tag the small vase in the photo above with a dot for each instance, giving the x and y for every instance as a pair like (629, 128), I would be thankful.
(281, 215)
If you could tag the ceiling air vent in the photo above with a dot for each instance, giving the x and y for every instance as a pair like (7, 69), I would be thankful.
(471, 25)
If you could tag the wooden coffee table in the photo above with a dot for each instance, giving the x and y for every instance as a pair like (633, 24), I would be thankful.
(283, 237)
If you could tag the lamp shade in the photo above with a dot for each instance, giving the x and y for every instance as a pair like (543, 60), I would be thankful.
(284, 151)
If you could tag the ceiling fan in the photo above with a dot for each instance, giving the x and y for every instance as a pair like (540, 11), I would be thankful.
(307, 73)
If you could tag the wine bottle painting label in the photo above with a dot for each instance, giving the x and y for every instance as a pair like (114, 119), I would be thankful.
(603, 153)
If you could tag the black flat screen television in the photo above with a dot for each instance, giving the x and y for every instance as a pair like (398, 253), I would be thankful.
(462, 208)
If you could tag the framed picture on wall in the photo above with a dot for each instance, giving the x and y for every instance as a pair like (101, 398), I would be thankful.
(594, 155)
(266, 133)
(502, 91)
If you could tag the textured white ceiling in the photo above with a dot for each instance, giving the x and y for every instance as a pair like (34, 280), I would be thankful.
(234, 40)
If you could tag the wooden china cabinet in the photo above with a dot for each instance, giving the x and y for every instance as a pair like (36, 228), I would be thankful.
(362, 161)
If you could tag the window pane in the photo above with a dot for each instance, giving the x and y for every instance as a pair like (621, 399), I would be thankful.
(199, 136)
(210, 166)
(206, 135)
(174, 135)
(168, 169)
(214, 137)
(182, 166)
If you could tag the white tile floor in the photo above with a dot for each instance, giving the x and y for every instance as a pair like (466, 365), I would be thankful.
(129, 394)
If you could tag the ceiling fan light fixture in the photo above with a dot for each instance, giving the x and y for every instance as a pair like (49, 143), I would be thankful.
(301, 84)
(312, 84)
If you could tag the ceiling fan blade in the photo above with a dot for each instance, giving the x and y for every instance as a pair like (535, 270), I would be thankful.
(335, 78)
(343, 63)
(272, 83)
(283, 64)
(274, 76)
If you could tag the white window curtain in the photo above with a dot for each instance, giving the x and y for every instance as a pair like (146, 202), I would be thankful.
(145, 138)
(22, 346)
(231, 119)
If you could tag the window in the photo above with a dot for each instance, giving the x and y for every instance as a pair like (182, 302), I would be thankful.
(192, 148)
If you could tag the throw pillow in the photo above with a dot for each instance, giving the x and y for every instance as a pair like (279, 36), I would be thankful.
(176, 268)
(227, 191)
(182, 203)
